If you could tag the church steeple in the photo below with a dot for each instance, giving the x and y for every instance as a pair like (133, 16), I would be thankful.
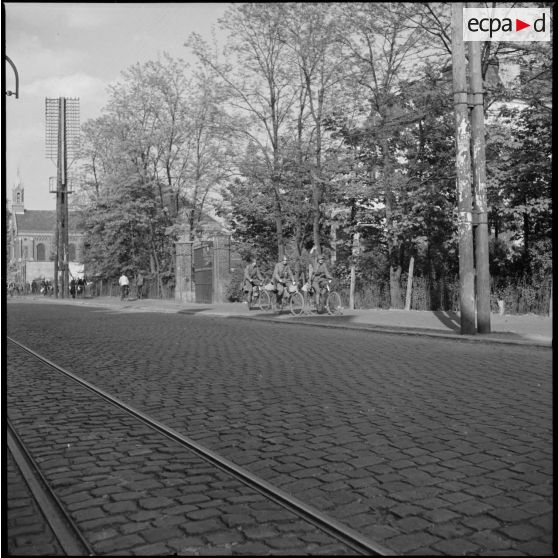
(17, 196)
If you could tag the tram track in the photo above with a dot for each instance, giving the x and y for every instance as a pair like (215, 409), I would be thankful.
(59, 521)
(356, 542)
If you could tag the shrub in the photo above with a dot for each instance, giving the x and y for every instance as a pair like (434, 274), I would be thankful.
(233, 290)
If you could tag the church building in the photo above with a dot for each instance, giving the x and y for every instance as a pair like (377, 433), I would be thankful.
(32, 243)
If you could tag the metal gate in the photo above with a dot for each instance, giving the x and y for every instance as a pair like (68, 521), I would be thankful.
(203, 272)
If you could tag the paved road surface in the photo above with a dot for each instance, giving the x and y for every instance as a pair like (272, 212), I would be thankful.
(425, 445)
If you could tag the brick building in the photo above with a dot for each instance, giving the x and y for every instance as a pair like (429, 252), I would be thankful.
(31, 240)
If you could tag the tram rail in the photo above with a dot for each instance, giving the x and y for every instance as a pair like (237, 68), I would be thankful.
(61, 524)
(335, 529)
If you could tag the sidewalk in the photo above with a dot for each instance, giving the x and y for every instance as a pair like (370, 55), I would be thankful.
(528, 329)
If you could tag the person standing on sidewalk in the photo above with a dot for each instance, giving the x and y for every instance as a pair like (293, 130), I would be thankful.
(124, 285)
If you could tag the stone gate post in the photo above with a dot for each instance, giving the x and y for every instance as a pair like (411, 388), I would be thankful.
(184, 289)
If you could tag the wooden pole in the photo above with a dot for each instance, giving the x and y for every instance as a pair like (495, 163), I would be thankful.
(479, 182)
(65, 224)
(550, 303)
(463, 170)
(410, 284)
(355, 254)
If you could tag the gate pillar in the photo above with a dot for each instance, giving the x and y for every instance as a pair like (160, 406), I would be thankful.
(184, 289)
(222, 266)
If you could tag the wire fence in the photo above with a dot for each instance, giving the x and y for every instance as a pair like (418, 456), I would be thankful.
(509, 296)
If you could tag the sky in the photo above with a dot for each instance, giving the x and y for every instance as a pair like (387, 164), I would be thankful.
(77, 50)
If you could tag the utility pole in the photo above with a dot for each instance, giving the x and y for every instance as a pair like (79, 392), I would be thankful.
(62, 200)
(479, 182)
(463, 171)
(62, 120)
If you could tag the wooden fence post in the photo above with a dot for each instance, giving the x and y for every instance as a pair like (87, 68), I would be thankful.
(410, 284)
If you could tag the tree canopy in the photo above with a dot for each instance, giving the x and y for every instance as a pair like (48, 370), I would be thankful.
(317, 126)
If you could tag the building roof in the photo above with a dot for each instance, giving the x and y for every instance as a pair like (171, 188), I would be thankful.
(39, 220)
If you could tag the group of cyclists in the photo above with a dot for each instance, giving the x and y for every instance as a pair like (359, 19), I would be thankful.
(283, 279)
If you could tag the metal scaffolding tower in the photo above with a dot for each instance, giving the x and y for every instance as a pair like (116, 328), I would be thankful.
(62, 143)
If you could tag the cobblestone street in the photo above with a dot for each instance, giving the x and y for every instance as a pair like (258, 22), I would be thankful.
(425, 445)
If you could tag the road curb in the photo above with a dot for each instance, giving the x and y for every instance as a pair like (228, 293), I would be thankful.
(393, 331)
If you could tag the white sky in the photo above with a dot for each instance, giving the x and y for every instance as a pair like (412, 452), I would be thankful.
(77, 50)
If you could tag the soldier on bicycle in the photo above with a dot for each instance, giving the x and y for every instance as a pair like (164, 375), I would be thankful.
(251, 274)
(281, 273)
(319, 278)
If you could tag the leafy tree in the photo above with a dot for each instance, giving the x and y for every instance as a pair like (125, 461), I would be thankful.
(156, 145)
(381, 47)
(520, 149)
(311, 32)
(256, 79)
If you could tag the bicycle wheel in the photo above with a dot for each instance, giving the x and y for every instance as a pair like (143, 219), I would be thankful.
(265, 300)
(297, 304)
(254, 300)
(333, 303)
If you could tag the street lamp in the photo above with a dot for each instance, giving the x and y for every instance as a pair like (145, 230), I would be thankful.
(16, 92)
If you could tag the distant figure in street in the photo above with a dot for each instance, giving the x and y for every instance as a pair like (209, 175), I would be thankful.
(80, 285)
(139, 285)
(124, 286)
(73, 287)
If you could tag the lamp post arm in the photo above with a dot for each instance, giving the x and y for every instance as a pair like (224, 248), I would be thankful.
(16, 77)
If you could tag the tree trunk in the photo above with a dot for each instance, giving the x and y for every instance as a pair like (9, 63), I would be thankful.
(394, 247)
(526, 242)
(352, 287)
(396, 300)
(316, 195)
(278, 218)
(355, 254)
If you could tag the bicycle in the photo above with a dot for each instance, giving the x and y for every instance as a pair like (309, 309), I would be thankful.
(329, 299)
(293, 297)
(332, 301)
(260, 297)
(125, 292)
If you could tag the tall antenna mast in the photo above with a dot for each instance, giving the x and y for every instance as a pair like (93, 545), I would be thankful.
(62, 142)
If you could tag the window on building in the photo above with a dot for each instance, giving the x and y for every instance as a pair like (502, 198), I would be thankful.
(41, 253)
(72, 252)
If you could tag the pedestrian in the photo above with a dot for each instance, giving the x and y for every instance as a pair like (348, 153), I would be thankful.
(73, 287)
(139, 285)
(124, 283)
(80, 286)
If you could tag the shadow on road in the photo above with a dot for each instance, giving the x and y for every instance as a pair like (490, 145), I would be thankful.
(449, 319)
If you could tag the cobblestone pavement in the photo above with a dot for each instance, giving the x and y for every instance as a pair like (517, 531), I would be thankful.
(28, 533)
(132, 490)
(427, 446)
